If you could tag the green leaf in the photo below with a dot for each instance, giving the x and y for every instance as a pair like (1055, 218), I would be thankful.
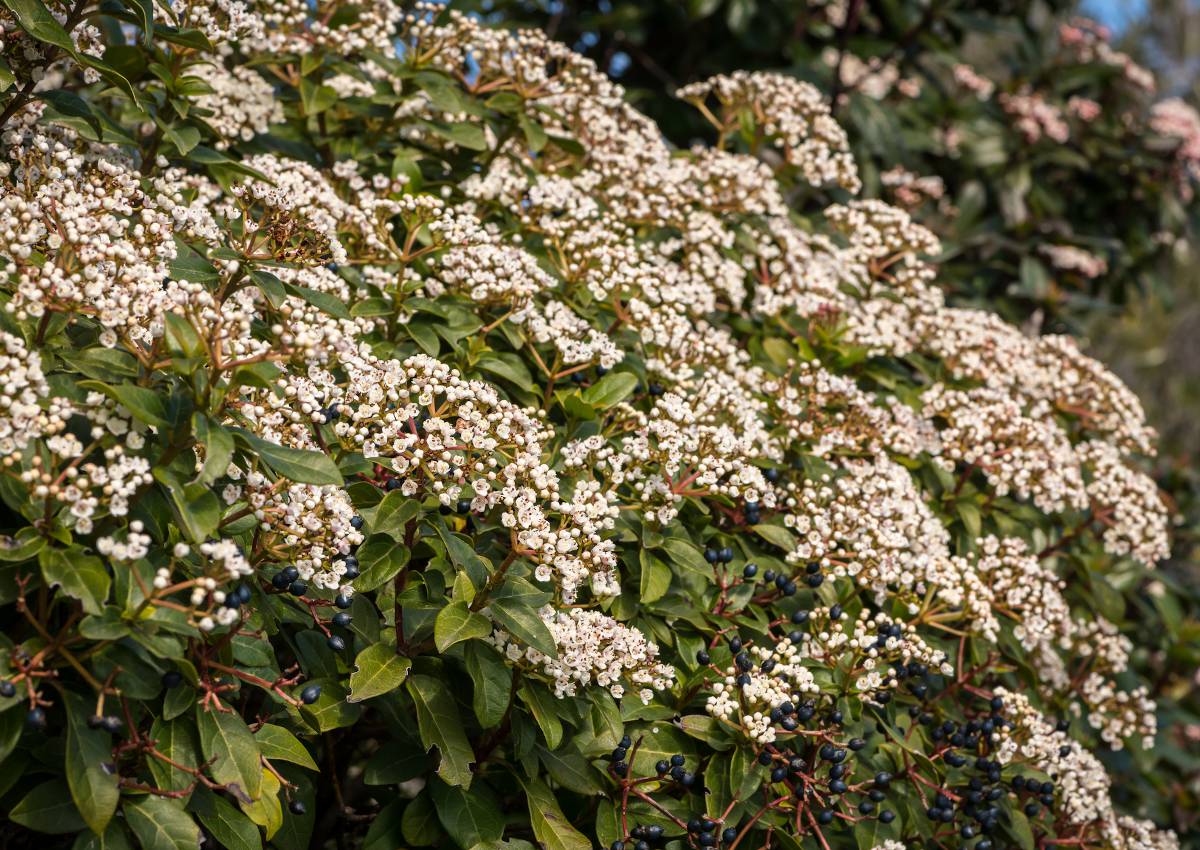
(144, 404)
(660, 741)
(218, 448)
(521, 619)
(463, 133)
(110, 74)
(571, 770)
(1020, 829)
(610, 390)
(419, 824)
(190, 265)
(550, 825)
(226, 740)
(80, 576)
(707, 729)
(182, 338)
(114, 837)
(535, 135)
(323, 301)
(93, 788)
(331, 711)
(776, 535)
(161, 824)
(230, 827)
(270, 286)
(144, 10)
(687, 555)
(278, 744)
(509, 366)
(377, 670)
(396, 761)
(70, 105)
(471, 816)
(197, 506)
(380, 558)
(36, 20)
(176, 740)
(393, 514)
(386, 831)
(544, 707)
(315, 97)
(297, 465)
(493, 683)
(103, 364)
(440, 726)
(456, 623)
(655, 578)
(443, 92)
(24, 546)
(48, 808)
(462, 554)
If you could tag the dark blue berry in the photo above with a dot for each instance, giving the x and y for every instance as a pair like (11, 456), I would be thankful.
(310, 694)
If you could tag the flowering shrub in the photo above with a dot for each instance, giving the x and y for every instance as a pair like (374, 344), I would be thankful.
(1010, 128)
(404, 446)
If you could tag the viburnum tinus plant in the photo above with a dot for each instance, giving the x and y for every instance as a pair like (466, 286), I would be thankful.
(404, 446)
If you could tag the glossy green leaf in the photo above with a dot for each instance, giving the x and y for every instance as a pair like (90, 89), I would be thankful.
(278, 744)
(377, 670)
(80, 576)
(456, 623)
(440, 727)
(227, 741)
(161, 823)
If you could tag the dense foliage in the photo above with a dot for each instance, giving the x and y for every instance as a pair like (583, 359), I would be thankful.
(1012, 128)
(1055, 169)
(404, 446)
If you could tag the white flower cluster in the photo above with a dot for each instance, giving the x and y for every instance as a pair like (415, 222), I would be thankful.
(1082, 784)
(82, 207)
(1033, 117)
(305, 525)
(23, 392)
(875, 77)
(89, 481)
(241, 105)
(1090, 42)
(876, 645)
(973, 81)
(791, 114)
(757, 685)
(593, 648)
(1129, 503)
(1071, 258)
